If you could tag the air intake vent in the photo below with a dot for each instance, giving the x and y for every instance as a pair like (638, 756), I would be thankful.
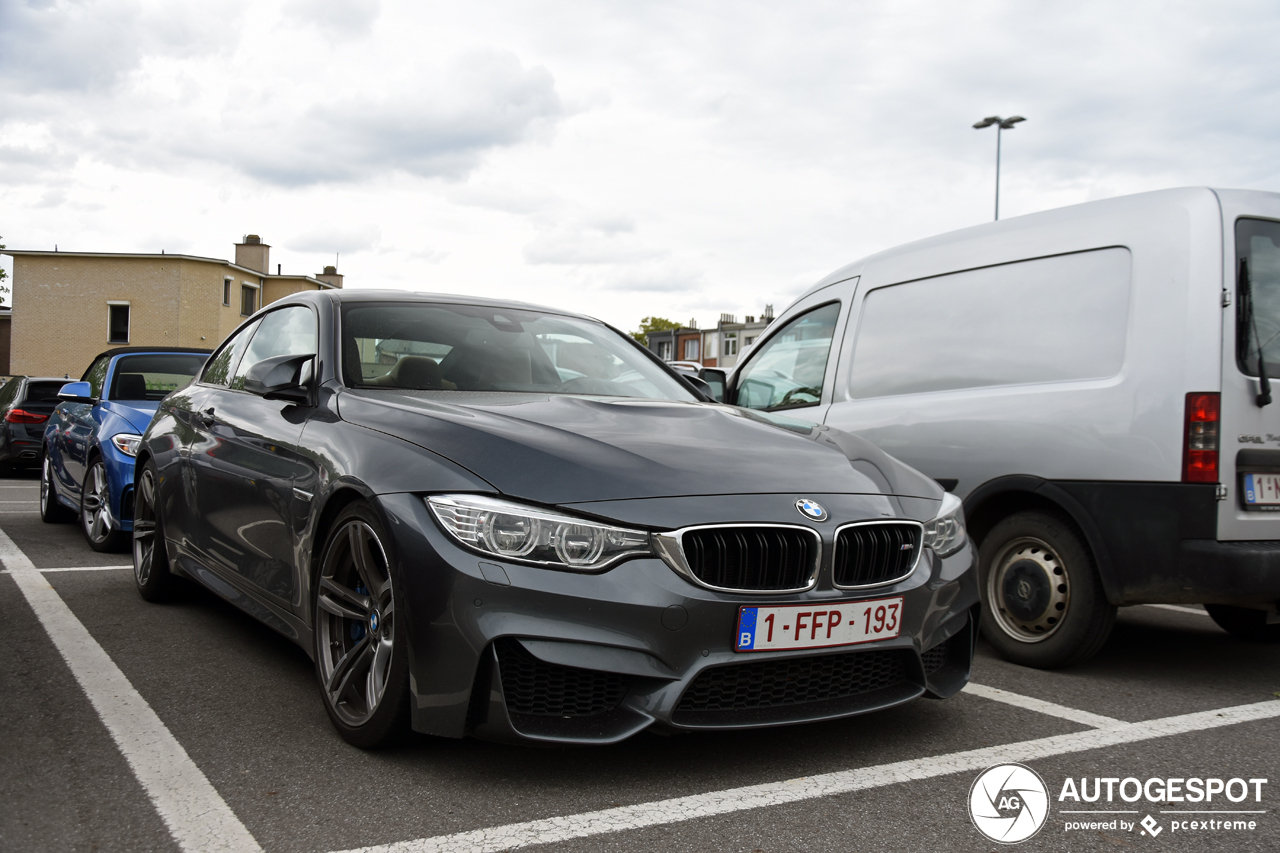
(544, 689)
(752, 558)
(772, 683)
(878, 553)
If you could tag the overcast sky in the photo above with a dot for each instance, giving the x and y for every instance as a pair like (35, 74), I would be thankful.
(618, 158)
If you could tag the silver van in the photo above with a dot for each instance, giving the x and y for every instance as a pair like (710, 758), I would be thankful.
(1088, 381)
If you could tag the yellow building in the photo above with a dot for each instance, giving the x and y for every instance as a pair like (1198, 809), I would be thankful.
(70, 306)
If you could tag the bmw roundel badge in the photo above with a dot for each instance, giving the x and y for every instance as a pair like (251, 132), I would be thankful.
(811, 509)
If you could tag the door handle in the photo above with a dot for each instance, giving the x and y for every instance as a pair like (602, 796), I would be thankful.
(206, 417)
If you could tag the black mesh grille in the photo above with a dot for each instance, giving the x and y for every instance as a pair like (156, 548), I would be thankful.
(772, 683)
(549, 690)
(935, 658)
(875, 553)
(751, 557)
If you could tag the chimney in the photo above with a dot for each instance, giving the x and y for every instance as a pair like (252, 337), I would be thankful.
(254, 254)
(767, 316)
(331, 276)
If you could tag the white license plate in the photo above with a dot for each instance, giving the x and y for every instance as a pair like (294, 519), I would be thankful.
(1262, 489)
(815, 626)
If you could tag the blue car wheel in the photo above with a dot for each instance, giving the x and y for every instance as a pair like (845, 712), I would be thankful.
(101, 531)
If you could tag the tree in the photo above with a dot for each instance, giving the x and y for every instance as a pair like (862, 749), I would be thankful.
(4, 288)
(653, 324)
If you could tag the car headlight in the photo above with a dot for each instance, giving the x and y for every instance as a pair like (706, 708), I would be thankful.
(945, 534)
(127, 444)
(526, 534)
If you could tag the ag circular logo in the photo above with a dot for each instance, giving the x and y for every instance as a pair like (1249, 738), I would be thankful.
(1009, 803)
(811, 509)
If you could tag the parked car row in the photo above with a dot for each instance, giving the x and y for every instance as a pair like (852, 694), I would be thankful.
(491, 518)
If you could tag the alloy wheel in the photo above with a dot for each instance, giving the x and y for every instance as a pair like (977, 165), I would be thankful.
(95, 504)
(355, 623)
(144, 527)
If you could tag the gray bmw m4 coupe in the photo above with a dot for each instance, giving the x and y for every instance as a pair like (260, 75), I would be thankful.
(491, 518)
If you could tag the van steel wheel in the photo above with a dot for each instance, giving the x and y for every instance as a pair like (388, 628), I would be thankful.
(150, 561)
(95, 510)
(1043, 604)
(361, 644)
(51, 511)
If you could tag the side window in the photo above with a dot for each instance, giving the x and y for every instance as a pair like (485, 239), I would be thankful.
(219, 369)
(288, 331)
(96, 375)
(1042, 320)
(7, 392)
(787, 371)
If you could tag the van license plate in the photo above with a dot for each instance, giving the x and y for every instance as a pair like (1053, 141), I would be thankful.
(1262, 489)
(817, 625)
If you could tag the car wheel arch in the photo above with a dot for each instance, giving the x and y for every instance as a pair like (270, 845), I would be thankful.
(997, 499)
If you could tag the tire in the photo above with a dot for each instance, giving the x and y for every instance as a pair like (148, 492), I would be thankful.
(150, 559)
(95, 515)
(1244, 623)
(51, 511)
(1042, 600)
(361, 644)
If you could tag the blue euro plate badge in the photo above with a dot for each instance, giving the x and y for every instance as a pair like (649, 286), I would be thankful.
(1262, 490)
(817, 625)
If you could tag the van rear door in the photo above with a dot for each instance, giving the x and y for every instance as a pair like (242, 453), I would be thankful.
(1249, 428)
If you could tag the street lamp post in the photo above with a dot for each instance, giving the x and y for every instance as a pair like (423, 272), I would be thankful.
(1002, 124)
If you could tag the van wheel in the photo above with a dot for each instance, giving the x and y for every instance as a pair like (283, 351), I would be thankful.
(1243, 622)
(1043, 603)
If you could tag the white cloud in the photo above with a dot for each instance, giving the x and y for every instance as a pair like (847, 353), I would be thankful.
(615, 158)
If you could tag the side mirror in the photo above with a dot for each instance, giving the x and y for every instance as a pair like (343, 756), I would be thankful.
(281, 378)
(702, 389)
(716, 379)
(77, 392)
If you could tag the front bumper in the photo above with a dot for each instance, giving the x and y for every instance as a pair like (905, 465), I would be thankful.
(519, 653)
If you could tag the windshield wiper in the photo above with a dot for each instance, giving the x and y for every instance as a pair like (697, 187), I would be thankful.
(1246, 292)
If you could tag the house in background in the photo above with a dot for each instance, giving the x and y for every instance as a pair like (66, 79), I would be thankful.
(70, 306)
(716, 347)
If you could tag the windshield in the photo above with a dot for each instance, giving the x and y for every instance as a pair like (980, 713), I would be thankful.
(153, 377)
(439, 347)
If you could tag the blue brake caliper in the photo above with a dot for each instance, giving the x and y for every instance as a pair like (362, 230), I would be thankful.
(358, 628)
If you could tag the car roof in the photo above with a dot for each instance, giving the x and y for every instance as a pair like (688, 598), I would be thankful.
(448, 298)
(158, 350)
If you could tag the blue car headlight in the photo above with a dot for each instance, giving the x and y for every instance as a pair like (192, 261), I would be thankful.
(126, 443)
(945, 534)
(526, 534)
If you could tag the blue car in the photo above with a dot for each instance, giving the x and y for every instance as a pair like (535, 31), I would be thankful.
(92, 438)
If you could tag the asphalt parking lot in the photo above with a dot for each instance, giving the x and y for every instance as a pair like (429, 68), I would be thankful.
(130, 726)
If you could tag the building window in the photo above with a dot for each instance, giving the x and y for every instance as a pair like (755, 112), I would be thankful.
(664, 350)
(691, 348)
(730, 343)
(248, 300)
(117, 322)
(226, 292)
(749, 341)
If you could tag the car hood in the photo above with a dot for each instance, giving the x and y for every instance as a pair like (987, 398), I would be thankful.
(557, 449)
(137, 413)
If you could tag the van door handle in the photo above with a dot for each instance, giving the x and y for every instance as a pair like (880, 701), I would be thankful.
(206, 417)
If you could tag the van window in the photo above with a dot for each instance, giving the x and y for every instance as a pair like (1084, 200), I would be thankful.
(787, 371)
(1044, 320)
(1258, 270)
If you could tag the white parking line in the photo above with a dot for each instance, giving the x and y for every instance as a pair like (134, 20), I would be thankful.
(680, 809)
(1052, 709)
(197, 816)
(125, 567)
(1180, 609)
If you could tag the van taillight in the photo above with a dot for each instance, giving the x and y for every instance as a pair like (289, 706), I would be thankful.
(18, 416)
(1200, 447)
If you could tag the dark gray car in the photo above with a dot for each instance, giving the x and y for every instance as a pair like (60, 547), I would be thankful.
(25, 405)
(491, 518)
